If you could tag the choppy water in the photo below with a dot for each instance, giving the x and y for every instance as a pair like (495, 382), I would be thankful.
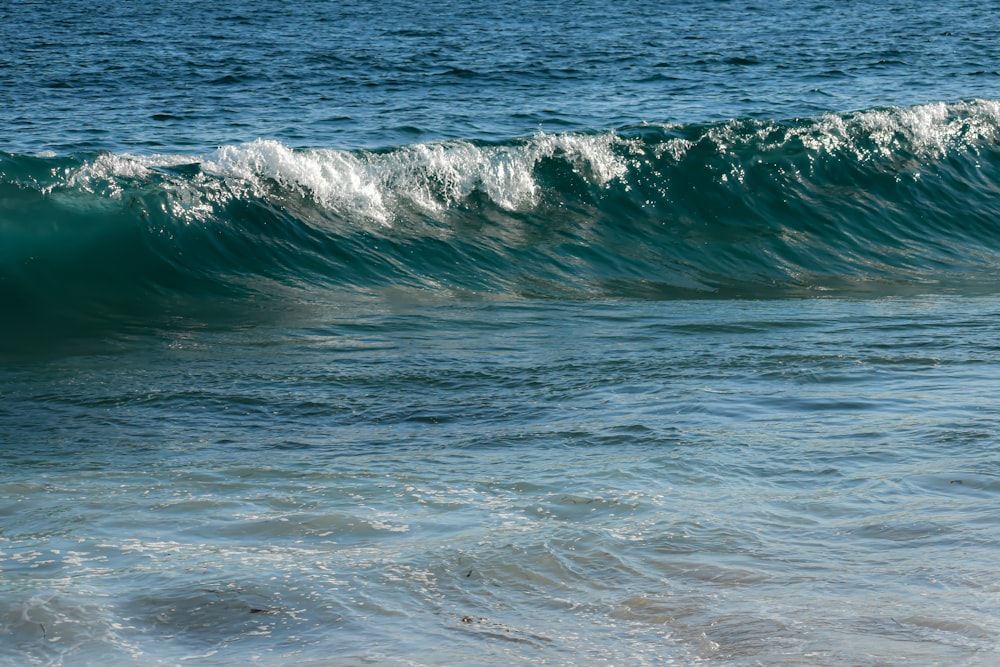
(496, 334)
(101, 75)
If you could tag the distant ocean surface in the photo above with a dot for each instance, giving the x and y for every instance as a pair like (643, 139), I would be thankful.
(519, 332)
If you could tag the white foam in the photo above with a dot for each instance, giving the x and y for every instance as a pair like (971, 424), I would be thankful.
(336, 179)
(928, 130)
(427, 176)
(103, 175)
(378, 185)
(368, 184)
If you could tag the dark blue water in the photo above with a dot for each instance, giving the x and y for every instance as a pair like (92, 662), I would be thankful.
(499, 333)
(195, 75)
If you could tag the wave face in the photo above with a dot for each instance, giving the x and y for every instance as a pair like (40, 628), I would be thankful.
(882, 201)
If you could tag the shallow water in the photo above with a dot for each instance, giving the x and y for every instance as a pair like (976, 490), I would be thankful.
(728, 483)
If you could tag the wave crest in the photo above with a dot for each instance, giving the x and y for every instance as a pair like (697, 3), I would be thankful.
(853, 203)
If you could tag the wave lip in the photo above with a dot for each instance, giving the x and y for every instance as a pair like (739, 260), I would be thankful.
(877, 201)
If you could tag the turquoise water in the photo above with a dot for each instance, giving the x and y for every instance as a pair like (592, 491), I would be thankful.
(491, 334)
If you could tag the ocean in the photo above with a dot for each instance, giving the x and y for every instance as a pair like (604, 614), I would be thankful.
(506, 333)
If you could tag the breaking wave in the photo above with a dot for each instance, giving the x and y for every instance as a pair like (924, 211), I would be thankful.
(881, 201)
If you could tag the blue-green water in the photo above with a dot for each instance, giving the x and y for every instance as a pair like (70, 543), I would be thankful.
(342, 333)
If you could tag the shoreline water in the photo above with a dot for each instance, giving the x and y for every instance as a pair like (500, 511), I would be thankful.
(683, 484)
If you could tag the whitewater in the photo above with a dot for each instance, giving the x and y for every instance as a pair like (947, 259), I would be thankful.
(492, 333)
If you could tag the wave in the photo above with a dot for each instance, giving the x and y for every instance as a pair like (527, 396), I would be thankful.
(880, 201)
